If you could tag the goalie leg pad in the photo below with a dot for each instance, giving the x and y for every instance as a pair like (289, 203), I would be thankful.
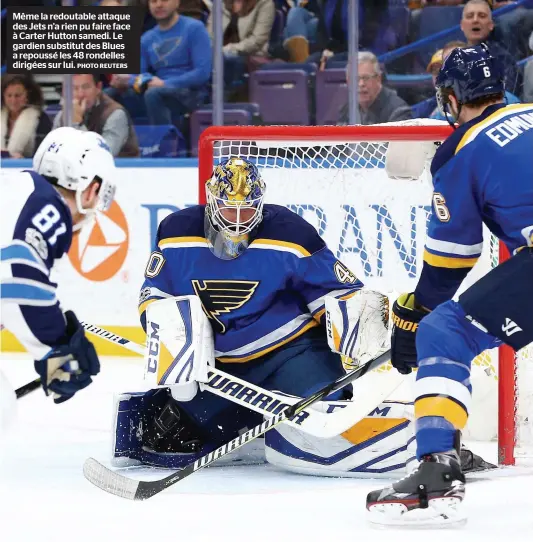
(378, 446)
(150, 428)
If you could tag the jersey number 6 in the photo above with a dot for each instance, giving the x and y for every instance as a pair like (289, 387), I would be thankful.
(439, 204)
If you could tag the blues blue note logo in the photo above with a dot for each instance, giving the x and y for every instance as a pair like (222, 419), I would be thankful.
(223, 296)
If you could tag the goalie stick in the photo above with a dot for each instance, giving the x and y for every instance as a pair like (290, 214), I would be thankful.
(269, 403)
(139, 490)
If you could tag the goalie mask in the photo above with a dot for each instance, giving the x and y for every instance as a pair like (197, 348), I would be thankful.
(235, 194)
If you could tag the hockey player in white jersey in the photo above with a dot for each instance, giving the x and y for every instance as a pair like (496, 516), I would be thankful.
(482, 174)
(72, 177)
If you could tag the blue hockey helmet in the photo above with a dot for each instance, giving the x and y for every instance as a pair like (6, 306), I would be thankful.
(469, 73)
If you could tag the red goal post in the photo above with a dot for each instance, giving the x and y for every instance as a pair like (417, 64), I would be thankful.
(281, 148)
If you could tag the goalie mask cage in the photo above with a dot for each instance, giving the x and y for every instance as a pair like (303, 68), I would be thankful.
(334, 177)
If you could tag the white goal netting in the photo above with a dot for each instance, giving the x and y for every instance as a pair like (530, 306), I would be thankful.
(377, 227)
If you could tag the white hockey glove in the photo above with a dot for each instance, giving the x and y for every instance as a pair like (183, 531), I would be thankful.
(179, 345)
(358, 327)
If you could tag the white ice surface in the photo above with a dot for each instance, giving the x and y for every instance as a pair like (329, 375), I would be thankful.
(44, 496)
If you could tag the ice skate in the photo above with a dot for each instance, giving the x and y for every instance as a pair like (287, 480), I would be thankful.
(429, 497)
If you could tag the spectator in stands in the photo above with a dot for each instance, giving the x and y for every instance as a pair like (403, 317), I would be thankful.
(95, 111)
(175, 66)
(377, 103)
(477, 26)
(528, 76)
(247, 25)
(23, 123)
(320, 27)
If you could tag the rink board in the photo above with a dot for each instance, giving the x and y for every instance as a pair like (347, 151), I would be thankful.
(374, 225)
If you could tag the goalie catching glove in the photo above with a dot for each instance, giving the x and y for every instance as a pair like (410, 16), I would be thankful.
(358, 327)
(405, 320)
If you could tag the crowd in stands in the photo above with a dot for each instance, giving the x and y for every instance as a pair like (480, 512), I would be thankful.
(269, 48)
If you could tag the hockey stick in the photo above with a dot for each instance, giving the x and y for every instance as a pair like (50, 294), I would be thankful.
(139, 490)
(28, 388)
(139, 349)
(269, 403)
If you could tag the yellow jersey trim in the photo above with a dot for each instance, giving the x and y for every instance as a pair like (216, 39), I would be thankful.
(144, 305)
(276, 243)
(175, 240)
(268, 349)
(448, 261)
(442, 407)
(489, 120)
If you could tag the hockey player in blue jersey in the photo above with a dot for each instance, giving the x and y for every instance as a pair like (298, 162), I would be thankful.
(73, 176)
(482, 174)
(243, 284)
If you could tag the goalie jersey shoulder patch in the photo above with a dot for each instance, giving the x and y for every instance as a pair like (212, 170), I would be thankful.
(259, 301)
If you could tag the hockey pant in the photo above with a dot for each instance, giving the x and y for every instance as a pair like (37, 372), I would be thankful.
(495, 309)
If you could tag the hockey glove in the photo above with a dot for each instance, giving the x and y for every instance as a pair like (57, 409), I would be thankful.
(358, 327)
(68, 367)
(405, 320)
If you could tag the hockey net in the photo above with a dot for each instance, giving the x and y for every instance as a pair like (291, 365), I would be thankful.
(334, 177)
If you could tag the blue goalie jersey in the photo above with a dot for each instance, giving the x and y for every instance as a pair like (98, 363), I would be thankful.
(36, 232)
(268, 296)
(482, 174)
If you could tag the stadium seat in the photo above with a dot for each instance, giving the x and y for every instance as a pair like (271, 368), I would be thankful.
(160, 141)
(282, 95)
(308, 67)
(202, 118)
(52, 110)
(331, 95)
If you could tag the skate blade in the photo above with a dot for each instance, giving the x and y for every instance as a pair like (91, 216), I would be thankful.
(442, 513)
